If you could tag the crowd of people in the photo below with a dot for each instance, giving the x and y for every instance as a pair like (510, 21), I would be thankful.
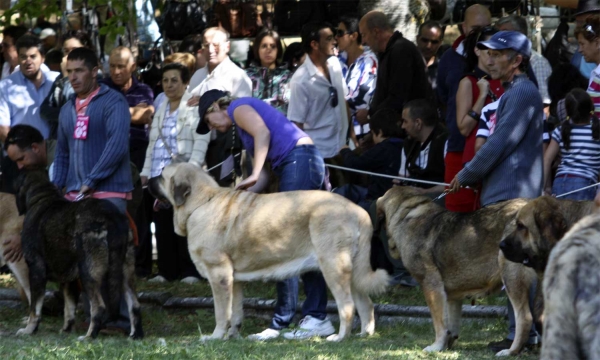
(475, 115)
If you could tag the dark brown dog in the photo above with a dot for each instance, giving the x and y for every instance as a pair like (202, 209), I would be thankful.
(63, 241)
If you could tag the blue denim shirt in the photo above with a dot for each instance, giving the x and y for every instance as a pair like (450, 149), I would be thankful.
(20, 100)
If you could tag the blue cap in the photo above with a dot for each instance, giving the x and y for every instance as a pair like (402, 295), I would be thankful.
(508, 40)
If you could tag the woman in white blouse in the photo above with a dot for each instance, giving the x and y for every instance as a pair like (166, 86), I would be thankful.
(173, 137)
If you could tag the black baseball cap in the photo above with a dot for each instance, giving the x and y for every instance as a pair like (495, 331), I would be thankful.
(206, 101)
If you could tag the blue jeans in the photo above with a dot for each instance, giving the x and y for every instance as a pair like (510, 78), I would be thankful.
(563, 184)
(356, 194)
(302, 169)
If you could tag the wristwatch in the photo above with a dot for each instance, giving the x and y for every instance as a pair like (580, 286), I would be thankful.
(474, 115)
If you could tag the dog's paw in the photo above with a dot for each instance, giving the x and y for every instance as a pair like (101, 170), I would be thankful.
(84, 338)
(205, 338)
(335, 338)
(24, 331)
(505, 352)
(434, 348)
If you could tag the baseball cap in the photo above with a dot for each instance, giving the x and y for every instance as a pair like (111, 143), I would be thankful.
(508, 40)
(47, 32)
(206, 101)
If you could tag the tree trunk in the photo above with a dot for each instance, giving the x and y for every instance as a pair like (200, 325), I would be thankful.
(405, 15)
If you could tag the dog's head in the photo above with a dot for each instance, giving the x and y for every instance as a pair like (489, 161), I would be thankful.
(176, 185)
(32, 185)
(537, 227)
(395, 206)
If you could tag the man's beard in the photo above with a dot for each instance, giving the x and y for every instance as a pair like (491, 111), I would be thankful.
(32, 76)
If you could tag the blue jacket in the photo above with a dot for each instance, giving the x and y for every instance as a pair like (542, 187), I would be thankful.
(510, 162)
(102, 160)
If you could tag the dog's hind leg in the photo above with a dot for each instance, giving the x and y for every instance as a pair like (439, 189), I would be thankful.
(237, 314)
(454, 312)
(37, 281)
(337, 271)
(97, 311)
(435, 295)
(220, 278)
(69, 310)
(366, 312)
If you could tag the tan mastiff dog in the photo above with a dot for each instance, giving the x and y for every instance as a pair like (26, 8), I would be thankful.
(11, 225)
(236, 236)
(455, 256)
(539, 225)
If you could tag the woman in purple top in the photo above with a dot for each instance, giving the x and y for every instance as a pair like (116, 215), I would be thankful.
(267, 135)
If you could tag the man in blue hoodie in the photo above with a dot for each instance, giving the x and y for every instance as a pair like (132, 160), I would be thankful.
(92, 154)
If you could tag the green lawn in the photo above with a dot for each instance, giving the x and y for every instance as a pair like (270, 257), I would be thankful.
(174, 334)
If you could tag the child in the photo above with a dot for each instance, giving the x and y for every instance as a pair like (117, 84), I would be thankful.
(383, 158)
(578, 140)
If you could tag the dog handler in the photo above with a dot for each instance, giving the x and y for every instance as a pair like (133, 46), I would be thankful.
(268, 135)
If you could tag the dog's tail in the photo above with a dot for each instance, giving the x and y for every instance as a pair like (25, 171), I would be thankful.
(363, 276)
(118, 235)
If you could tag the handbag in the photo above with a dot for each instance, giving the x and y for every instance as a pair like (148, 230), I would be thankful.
(182, 18)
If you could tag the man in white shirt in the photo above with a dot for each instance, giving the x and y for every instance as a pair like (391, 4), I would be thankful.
(21, 95)
(317, 105)
(223, 75)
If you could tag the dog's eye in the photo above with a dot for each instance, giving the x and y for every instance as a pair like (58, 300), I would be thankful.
(520, 226)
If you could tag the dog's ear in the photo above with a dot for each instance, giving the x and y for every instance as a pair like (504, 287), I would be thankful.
(181, 189)
(551, 223)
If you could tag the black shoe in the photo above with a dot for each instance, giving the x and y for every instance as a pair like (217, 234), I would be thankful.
(4, 270)
(497, 346)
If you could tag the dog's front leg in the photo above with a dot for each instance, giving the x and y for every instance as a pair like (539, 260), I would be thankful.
(237, 314)
(519, 297)
(454, 312)
(435, 295)
(37, 281)
(221, 282)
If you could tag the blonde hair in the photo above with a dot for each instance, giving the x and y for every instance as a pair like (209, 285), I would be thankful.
(222, 102)
(186, 59)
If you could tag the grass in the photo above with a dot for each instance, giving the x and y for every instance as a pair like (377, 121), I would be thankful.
(175, 334)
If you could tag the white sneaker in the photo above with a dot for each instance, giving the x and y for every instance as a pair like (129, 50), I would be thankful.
(158, 279)
(311, 327)
(190, 280)
(267, 334)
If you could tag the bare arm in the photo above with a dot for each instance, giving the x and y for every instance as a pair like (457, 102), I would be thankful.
(4, 132)
(549, 157)
(141, 114)
(249, 120)
(464, 103)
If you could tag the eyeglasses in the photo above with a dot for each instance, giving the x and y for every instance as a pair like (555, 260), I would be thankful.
(427, 41)
(340, 32)
(333, 95)
(207, 45)
(589, 29)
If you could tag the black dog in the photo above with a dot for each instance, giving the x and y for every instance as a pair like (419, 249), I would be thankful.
(63, 241)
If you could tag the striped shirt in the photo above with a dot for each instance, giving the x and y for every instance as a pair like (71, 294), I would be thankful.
(487, 122)
(594, 89)
(583, 156)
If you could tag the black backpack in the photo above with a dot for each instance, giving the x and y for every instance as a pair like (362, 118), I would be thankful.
(183, 18)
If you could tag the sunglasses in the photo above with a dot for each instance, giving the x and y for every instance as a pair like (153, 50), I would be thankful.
(333, 95)
(427, 41)
(340, 32)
